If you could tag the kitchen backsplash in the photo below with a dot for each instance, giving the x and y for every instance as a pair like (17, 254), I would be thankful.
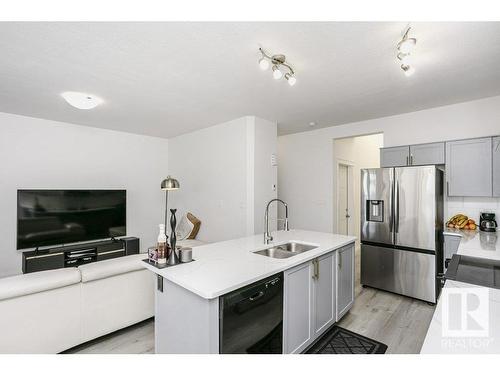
(471, 206)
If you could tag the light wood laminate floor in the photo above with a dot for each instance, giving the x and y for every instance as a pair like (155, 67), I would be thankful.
(137, 339)
(399, 322)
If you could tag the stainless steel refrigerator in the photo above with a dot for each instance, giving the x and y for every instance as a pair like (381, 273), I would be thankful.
(401, 230)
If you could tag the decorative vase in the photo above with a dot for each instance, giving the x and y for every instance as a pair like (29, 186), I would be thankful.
(173, 258)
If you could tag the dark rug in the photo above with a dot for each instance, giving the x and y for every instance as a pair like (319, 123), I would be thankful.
(338, 340)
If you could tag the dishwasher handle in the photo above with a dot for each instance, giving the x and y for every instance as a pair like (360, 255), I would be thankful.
(256, 296)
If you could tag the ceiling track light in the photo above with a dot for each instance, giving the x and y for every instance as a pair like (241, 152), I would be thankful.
(280, 67)
(405, 47)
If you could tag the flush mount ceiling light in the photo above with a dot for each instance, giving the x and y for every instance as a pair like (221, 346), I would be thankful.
(280, 67)
(81, 100)
(405, 47)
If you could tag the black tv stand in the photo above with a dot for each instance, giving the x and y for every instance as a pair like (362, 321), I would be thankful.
(76, 255)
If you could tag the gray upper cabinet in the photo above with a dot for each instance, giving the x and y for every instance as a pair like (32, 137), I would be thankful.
(394, 156)
(427, 154)
(496, 167)
(469, 167)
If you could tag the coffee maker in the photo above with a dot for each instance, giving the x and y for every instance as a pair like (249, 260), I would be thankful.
(487, 222)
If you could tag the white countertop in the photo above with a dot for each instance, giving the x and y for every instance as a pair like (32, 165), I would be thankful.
(476, 243)
(222, 267)
(438, 339)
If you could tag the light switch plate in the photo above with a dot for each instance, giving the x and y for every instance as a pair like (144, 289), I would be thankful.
(274, 161)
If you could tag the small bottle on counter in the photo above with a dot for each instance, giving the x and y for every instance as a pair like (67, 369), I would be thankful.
(162, 245)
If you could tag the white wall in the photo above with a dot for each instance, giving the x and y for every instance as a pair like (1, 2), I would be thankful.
(306, 170)
(223, 175)
(41, 154)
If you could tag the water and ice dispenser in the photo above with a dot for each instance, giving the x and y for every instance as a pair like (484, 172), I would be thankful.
(375, 210)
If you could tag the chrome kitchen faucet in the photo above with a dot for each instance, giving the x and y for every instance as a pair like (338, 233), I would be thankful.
(267, 234)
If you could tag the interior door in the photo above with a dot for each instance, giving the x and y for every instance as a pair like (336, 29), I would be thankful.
(377, 187)
(345, 204)
(415, 207)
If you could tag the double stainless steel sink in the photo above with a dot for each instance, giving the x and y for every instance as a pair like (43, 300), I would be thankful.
(286, 250)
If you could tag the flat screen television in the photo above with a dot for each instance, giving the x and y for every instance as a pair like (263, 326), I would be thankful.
(57, 217)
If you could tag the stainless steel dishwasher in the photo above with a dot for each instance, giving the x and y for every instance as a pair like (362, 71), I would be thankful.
(251, 318)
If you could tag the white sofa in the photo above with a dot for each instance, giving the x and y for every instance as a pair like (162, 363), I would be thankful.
(51, 311)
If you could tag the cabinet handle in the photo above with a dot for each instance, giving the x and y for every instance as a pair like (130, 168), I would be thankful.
(411, 159)
(407, 163)
(315, 269)
(340, 260)
(447, 188)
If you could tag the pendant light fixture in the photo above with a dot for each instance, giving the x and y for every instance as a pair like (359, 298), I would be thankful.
(280, 67)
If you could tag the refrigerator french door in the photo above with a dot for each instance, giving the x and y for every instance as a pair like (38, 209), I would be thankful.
(401, 226)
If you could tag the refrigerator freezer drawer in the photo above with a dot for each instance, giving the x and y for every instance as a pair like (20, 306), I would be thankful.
(404, 272)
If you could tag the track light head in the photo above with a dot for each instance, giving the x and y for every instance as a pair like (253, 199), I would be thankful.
(408, 70)
(277, 74)
(406, 45)
(291, 79)
(264, 63)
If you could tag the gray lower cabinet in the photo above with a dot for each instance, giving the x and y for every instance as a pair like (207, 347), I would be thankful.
(427, 154)
(324, 308)
(311, 297)
(394, 156)
(345, 280)
(297, 312)
(469, 167)
(496, 166)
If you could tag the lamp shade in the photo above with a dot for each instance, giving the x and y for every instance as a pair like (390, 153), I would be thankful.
(170, 183)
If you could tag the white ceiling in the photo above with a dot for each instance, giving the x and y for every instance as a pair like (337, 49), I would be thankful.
(166, 79)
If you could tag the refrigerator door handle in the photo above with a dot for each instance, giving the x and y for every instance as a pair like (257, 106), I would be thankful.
(391, 208)
(396, 209)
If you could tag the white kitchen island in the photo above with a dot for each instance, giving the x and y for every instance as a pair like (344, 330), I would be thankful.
(318, 289)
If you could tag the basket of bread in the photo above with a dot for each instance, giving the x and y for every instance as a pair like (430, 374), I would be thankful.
(461, 221)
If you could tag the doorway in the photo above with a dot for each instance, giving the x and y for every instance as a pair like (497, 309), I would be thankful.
(351, 154)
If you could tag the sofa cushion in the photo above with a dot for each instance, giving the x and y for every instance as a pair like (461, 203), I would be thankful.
(111, 267)
(30, 283)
